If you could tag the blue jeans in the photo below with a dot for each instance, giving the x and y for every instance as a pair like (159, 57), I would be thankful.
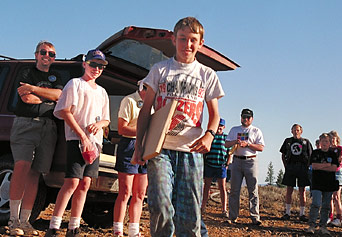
(320, 200)
(175, 183)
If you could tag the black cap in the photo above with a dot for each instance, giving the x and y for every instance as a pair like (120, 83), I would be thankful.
(247, 112)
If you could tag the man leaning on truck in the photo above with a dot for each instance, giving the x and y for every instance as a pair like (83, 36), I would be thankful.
(33, 136)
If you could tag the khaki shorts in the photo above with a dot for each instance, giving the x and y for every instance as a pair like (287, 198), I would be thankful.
(34, 140)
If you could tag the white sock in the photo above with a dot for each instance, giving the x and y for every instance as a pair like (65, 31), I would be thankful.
(55, 222)
(288, 209)
(118, 227)
(25, 215)
(133, 229)
(302, 211)
(74, 223)
(15, 208)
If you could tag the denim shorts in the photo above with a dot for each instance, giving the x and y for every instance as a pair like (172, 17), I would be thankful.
(124, 155)
(213, 172)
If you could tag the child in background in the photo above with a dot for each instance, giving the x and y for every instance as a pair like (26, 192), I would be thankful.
(215, 166)
(84, 107)
(324, 164)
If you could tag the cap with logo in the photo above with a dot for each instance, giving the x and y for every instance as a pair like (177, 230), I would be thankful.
(222, 122)
(96, 54)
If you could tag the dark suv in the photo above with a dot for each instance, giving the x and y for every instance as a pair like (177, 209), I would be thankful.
(130, 53)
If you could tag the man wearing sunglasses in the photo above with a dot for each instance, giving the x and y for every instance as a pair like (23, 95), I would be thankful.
(33, 135)
(245, 164)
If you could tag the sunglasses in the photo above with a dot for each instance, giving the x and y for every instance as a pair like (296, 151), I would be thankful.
(51, 53)
(246, 117)
(96, 65)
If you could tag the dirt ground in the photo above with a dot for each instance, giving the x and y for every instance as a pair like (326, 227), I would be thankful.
(271, 211)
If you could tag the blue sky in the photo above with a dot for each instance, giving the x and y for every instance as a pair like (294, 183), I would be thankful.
(289, 52)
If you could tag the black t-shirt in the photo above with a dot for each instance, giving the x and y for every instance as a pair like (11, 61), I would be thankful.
(35, 77)
(324, 180)
(296, 150)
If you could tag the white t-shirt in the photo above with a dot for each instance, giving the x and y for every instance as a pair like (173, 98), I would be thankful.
(129, 109)
(251, 134)
(190, 84)
(87, 106)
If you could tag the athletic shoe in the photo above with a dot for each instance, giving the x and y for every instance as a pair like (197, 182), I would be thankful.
(286, 217)
(52, 233)
(303, 218)
(14, 227)
(324, 231)
(232, 221)
(329, 221)
(73, 233)
(28, 229)
(311, 229)
(336, 222)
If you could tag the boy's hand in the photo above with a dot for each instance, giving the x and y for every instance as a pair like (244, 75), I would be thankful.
(203, 144)
(86, 144)
(137, 156)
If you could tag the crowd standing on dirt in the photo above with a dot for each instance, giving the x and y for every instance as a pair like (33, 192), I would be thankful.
(175, 176)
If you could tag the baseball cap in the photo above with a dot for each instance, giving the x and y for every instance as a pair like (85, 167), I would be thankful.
(247, 112)
(222, 122)
(96, 54)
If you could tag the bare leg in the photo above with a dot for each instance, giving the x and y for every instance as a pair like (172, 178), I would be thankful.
(138, 195)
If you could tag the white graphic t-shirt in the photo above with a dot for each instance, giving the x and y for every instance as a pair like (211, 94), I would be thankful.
(189, 84)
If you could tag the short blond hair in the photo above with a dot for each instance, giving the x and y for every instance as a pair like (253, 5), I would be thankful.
(191, 22)
(44, 42)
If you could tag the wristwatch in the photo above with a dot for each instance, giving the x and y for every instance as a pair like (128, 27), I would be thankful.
(211, 132)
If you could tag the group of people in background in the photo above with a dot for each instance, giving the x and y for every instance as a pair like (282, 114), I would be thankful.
(319, 169)
(174, 178)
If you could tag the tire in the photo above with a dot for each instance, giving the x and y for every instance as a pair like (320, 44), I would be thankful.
(6, 170)
(98, 215)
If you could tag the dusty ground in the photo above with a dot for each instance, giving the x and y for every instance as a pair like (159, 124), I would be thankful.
(271, 210)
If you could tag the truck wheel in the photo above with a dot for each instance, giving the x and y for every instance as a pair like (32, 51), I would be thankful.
(6, 170)
(98, 215)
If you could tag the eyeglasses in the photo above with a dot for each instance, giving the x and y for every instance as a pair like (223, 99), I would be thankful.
(246, 117)
(96, 65)
(51, 53)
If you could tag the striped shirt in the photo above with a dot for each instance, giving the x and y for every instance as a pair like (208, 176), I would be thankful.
(217, 156)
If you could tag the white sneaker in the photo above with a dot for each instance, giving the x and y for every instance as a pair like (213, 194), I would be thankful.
(311, 229)
(336, 222)
(329, 221)
(324, 231)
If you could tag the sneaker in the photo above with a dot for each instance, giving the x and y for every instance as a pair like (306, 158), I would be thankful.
(28, 229)
(336, 222)
(14, 227)
(286, 217)
(225, 214)
(311, 229)
(256, 222)
(52, 233)
(323, 230)
(329, 221)
(303, 218)
(73, 233)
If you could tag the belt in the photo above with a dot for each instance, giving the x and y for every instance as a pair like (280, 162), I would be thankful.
(244, 157)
